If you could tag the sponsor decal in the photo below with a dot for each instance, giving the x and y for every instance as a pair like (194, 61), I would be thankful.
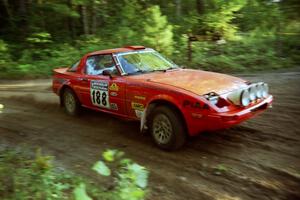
(138, 113)
(114, 87)
(60, 80)
(114, 106)
(196, 105)
(113, 94)
(99, 93)
(137, 106)
(140, 97)
(99, 85)
(197, 115)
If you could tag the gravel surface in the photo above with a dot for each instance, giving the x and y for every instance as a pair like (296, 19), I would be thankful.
(259, 159)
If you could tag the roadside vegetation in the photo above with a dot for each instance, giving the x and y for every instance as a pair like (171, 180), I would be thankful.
(217, 35)
(27, 175)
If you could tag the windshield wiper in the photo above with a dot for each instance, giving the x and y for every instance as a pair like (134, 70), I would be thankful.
(164, 70)
(138, 71)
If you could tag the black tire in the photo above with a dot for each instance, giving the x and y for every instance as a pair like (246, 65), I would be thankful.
(167, 128)
(70, 102)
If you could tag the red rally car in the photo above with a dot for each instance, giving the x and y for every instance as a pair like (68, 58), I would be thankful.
(138, 83)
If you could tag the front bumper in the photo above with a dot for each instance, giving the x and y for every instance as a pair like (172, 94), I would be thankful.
(217, 121)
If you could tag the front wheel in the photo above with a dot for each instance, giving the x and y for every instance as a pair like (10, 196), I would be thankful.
(167, 128)
(70, 102)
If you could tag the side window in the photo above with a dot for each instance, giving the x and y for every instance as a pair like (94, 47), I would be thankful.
(74, 67)
(96, 64)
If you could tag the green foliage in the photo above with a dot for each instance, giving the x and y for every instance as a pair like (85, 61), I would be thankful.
(80, 193)
(3, 47)
(5, 58)
(36, 62)
(131, 179)
(37, 36)
(218, 20)
(266, 14)
(157, 32)
(24, 175)
(101, 168)
(110, 155)
(247, 54)
(129, 23)
(4, 55)
(220, 169)
(62, 9)
(89, 43)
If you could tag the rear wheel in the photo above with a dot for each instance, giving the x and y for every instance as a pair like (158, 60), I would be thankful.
(167, 128)
(70, 102)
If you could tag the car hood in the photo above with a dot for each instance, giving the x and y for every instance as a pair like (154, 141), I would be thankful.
(196, 81)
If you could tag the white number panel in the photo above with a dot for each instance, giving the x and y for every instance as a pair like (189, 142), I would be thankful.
(99, 93)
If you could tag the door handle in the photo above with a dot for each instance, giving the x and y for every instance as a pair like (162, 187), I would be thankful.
(82, 79)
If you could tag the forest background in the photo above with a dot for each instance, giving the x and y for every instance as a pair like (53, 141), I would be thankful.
(227, 36)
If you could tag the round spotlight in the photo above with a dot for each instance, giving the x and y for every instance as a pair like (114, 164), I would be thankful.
(259, 90)
(265, 91)
(252, 92)
(245, 98)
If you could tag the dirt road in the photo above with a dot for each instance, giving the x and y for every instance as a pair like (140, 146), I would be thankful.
(259, 159)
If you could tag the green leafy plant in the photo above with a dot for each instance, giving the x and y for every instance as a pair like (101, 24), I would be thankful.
(130, 179)
(220, 169)
(26, 176)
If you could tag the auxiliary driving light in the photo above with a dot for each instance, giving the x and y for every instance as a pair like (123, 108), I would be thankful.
(252, 92)
(265, 91)
(245, 98)
(259, 90)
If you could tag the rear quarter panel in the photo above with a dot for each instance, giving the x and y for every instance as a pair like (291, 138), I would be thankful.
(62, 77)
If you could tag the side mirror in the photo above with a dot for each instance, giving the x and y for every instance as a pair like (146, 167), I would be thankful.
(107, 72)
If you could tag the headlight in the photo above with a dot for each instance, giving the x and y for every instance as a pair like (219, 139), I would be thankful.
(259, 90)
(245, 98)
(265, 90)
(212, 98)
(252, 92)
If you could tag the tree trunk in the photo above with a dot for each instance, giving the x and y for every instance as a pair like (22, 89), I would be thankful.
(23, 18)
(71, 25)
(178, 8)
(84, 18)
(8, 11)
(41, 15)
(200, 6)
(94, 18)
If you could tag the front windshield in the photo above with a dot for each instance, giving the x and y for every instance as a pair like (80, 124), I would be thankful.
(144, 61)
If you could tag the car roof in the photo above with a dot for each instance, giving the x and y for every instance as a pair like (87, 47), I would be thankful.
(117, 50)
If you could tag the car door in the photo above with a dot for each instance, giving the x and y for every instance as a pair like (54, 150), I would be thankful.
(102, 92)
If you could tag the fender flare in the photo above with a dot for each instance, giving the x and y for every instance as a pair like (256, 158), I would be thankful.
(161, 99)
(63, 86)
